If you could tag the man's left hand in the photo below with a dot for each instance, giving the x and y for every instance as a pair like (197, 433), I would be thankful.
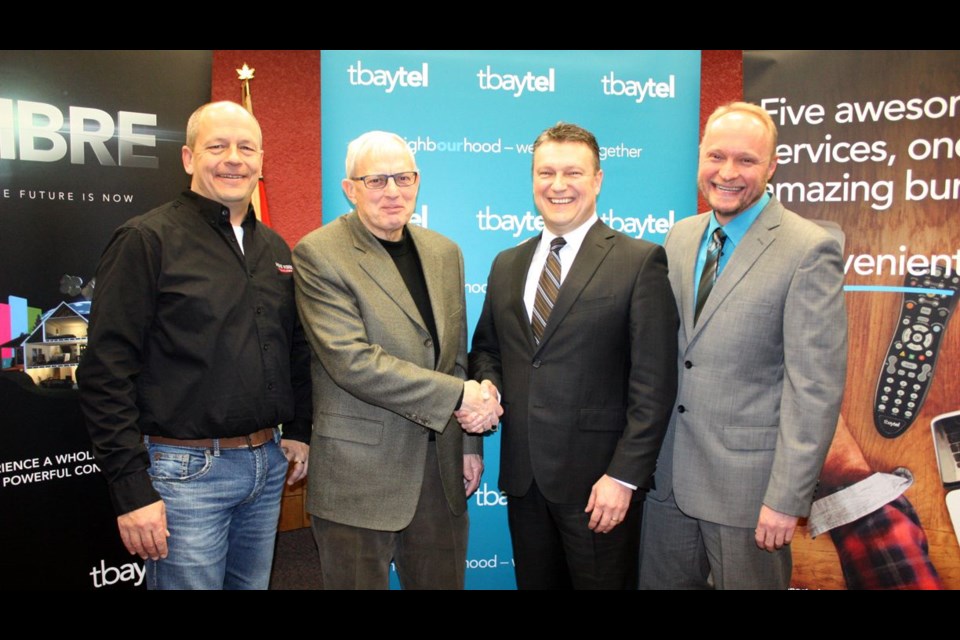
(299, 454)
(472, 470)
(608, 504)
(774, 529)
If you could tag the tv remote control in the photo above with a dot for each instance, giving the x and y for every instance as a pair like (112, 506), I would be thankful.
(912, 356)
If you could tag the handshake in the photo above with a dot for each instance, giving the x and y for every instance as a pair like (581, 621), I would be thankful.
(480, 410)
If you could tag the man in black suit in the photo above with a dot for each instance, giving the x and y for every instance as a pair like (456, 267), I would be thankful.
(578, 331)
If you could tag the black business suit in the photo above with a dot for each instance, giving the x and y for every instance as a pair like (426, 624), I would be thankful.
(594, 396)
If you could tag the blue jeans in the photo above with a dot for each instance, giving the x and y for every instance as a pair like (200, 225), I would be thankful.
(222, 510)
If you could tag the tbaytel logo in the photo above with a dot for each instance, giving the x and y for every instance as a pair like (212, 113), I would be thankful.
(487, 497)
(639, 89)
(389, 79)
(421, 218)
(636, 227)
(516, 224)
(516, 83)
(106, 576)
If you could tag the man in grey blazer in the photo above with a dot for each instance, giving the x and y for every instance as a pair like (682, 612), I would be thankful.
(587, 390)
(762, 362)
(382, 304)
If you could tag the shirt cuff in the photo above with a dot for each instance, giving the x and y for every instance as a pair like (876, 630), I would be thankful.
(132, 492)
(632, 487)
(856, 501)
(299, 430)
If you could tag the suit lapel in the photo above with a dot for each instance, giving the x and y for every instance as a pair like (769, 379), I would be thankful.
(759, 237)
(380, 267)
(689, 246)
(596, 245)
(433, 274)
(518, 281)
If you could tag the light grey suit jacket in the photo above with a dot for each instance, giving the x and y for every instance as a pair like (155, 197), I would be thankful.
(761, 374)
(377, 394)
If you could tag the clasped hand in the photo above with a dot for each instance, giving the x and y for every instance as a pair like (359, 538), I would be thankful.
(480, 410)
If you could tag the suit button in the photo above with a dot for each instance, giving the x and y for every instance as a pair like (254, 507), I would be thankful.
(428, 342)
(681, 409)
(688, 364)
(536, 364)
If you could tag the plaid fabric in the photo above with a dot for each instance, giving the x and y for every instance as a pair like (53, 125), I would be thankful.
(886, 549)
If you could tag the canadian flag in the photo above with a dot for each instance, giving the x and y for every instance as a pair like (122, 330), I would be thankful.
(259, 198)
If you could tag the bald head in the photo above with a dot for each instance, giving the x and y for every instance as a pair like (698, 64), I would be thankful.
(218, 110)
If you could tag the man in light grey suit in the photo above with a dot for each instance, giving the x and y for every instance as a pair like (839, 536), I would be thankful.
(382, 304)
(762, 362)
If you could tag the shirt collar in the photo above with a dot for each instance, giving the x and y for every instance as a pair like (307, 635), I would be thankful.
(737, 228)
(574, 238)
(214, 212)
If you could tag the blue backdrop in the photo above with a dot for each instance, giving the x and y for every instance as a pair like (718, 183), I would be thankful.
(471, 118)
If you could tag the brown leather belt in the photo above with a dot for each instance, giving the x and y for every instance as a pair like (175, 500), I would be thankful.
(252, 441)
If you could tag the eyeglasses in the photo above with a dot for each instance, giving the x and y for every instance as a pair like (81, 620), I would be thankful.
(402, 179)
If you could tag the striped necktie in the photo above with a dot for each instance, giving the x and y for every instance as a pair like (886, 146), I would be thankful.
(547, 289)
(709, 275)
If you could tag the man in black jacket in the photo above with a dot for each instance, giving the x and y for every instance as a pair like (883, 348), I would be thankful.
(195, 358)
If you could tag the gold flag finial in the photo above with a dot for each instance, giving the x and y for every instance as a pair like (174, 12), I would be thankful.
(245, 73)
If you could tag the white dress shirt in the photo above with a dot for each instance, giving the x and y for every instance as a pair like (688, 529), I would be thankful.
(568, 253)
